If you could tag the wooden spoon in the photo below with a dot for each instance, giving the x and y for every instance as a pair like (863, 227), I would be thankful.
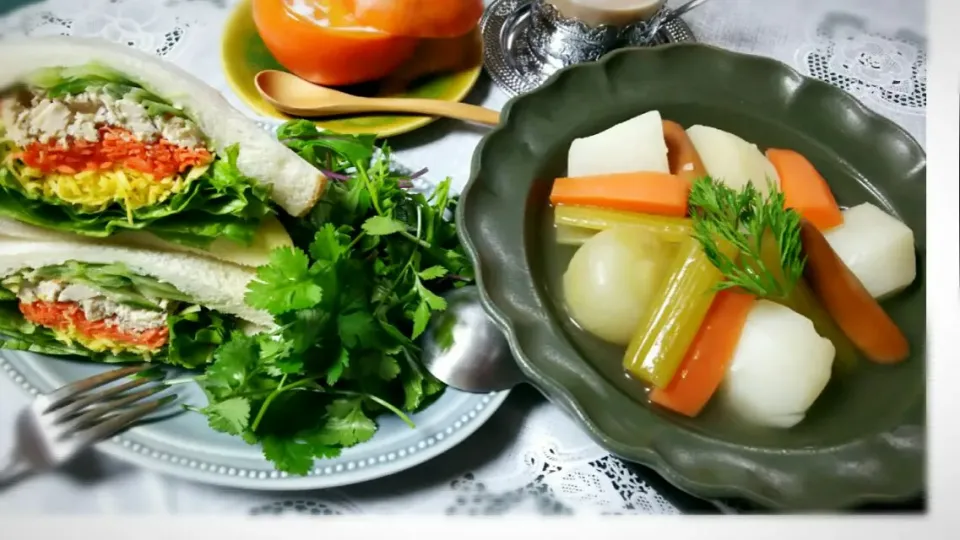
(297, 97)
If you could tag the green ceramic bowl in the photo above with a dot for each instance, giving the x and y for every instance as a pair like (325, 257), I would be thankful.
(863, 441)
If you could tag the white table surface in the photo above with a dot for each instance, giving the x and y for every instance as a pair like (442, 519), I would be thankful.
(529, 458)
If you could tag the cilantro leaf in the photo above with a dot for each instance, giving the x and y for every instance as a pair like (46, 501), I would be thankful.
(357, 329)
(274, 353)
(329, 244)
(339, 365)
(383, 226)
(231, 416)
(421, 318)
(295, 455)
(435, 302)
(304, 329)
(412, 389)
(346, 424)
(434, 272)
(285, 284)
(389, 368)
(233, 364)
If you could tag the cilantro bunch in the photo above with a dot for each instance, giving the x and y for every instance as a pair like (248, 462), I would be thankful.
(368, 270)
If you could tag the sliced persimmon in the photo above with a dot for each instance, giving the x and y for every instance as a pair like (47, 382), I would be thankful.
(419, 18)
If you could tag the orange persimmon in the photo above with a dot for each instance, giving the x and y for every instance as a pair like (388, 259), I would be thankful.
(326, 45)
(419, 18)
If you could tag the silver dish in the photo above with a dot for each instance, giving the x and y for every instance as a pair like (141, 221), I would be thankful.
(526, 41)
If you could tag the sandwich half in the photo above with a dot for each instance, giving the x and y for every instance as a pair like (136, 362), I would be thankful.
(120, 304)
(100, 140)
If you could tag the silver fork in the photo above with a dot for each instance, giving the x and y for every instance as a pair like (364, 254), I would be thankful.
(59, 425)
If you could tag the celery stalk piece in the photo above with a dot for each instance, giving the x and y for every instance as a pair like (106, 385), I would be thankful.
(569, 235)
(665, 333)
(669, 229)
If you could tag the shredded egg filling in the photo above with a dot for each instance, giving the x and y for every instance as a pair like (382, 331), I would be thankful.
(96, 190)
(115, 170)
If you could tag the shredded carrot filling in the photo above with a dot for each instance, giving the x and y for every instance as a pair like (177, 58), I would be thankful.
(67, 315)
(117, 147)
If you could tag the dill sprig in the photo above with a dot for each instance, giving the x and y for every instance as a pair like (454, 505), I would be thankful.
(745, 220)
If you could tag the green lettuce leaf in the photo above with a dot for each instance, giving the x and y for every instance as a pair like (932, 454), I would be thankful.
(220, 203)
(195, 334)
(63, 81)
(116, 281)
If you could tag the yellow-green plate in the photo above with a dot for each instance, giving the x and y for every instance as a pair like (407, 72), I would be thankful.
(244, 54)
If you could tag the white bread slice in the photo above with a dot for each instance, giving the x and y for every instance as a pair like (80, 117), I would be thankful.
(270, 236)
(297, 185)
(215, 285)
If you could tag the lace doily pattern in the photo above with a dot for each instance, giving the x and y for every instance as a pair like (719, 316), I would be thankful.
(885, 69)
(541, 470)
(310, 507)
(149, 26)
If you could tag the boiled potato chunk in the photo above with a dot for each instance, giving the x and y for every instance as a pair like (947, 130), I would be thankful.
(633, 146)
(877, 247)
(611, 280)
(732, 160)
(779, 367)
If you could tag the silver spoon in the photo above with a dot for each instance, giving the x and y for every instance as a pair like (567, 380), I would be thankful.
(650, 30)
(464, 349)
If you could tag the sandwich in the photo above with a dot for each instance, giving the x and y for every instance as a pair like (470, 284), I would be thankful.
(103, 141)
(120, 304)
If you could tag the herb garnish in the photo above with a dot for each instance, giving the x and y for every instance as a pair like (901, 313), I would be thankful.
(748, 221)
(361, 285)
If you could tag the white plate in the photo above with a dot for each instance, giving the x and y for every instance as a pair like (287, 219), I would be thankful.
(186, 447)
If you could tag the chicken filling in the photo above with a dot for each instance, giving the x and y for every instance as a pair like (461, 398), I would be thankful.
(76, 311)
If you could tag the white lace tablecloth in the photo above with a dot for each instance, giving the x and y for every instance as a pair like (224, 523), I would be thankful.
(529, 458)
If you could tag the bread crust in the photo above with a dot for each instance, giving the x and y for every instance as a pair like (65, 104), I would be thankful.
(270, 236)
(212, 284)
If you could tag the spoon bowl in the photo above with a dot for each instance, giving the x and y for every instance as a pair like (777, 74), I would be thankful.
(464, 349)
(297, 97)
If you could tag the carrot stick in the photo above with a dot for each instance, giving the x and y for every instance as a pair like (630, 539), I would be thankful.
(804, 189)
(705, 362)
(647, 192)
(854, 309)
(684, 160)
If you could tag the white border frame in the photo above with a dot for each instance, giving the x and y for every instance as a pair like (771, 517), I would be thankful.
(943, 277)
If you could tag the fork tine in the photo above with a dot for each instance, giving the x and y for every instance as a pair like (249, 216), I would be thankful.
(98, 412)
(61, 396)
(78, 404)
(121, 421)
